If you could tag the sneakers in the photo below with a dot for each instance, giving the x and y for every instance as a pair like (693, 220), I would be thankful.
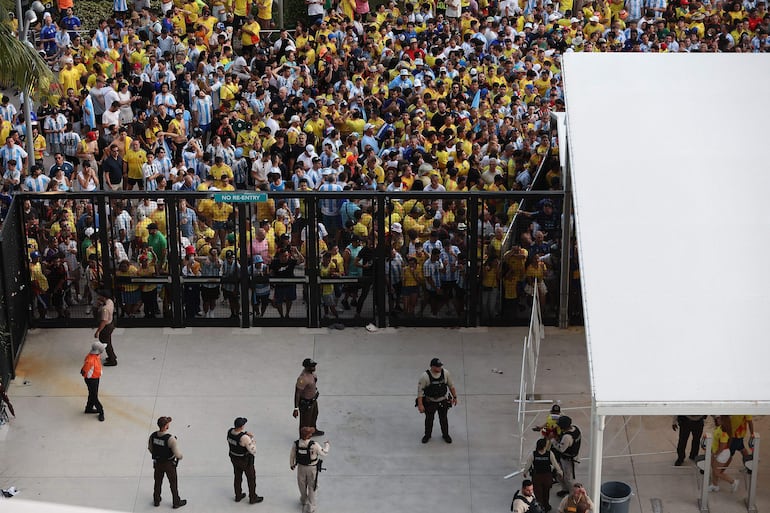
(713, 488)
(180, 504)
(110, 363)
(425, 439)
(101, 417)
(256, 500)
(734, 485)
(678, 463)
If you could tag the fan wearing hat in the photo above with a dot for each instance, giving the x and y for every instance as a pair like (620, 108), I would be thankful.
(92, 373)
(306, 397)
(242, 451)
(436, 393)
(165, 456)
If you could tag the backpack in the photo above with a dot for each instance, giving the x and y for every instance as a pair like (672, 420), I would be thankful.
(534, 506)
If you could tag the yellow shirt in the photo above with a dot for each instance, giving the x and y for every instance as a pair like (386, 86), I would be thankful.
(134, 161)
(69, 79)
(220, 173)
(221, 211)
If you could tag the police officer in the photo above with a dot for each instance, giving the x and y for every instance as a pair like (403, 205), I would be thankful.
(242, 452)
(165, 456)
(566, 446)
(306, 397)
(436, 393)
(541, 465)
(524, 500)
(305, 457)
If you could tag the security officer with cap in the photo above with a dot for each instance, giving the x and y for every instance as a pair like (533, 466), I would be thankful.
(242, 451)
(436, 393)
(165, 456)
(566, 446)
(306, 457)
(306, 397)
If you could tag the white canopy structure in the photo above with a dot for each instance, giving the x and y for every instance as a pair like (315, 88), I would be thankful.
(671, 179)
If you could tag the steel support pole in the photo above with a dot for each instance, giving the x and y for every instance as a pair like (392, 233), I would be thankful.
(751, 500)
(703, 500)
(597, 447)
(566, 245)
(27, 108)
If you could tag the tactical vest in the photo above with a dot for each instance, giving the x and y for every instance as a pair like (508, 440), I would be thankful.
(541, 463)
(160, 449)
(437, 388)
(572, 450)
(234, 440)
(303, 453)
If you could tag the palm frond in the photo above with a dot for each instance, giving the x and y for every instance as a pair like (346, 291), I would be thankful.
(20, 64)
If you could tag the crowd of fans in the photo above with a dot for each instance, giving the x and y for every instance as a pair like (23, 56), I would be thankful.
(427, 97)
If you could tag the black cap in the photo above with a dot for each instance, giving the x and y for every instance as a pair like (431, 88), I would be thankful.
(436, 363)
(229, 253)
(239, 422)
(308, 362)
(564, 422)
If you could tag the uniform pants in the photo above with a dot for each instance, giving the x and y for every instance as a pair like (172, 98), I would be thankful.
(309, 417)
(542, 486)
(431, 407)
(568, 467)
(306, 482)
(105, 337)
(689, 427)
(165, 468)
(93, 395)
(244, 465)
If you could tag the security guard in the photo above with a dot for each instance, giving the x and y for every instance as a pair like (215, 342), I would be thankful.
(242, 451)
(165, 456)
(306, 397)
(541, 465)
(566, 447)
(305, 456)
(436, 393)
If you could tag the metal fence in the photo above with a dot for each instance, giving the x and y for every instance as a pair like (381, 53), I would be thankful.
(15, 294)
(170, 279)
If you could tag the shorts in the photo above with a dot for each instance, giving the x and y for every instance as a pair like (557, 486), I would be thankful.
(220, 225)
(409, 290)
(448, 288)
(736, 444)
(328, 299)
(284, 293)
(131, 298)
(135, 181)
(210, 293)
(230, 294)
(260, 299)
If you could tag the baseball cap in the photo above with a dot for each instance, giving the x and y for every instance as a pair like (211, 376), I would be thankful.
(229, 253)
(436, 363)
(309, 148)
(396, 227)
(258, 259)
(309, 362)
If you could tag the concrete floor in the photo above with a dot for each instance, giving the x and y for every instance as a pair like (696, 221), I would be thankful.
(204, 378)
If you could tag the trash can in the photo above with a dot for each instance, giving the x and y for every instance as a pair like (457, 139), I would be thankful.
(615, 497)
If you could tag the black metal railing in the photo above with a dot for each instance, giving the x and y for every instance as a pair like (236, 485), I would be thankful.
(169, 279)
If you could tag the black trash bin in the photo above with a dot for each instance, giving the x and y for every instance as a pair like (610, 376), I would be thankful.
(615, 497)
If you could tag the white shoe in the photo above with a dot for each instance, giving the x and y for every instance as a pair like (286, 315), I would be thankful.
(734, 486)
(713, 488)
